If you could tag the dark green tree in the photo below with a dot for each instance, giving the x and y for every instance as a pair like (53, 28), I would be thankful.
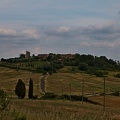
(20, 89)
(22, 56)
(83, 66)
(30, 92)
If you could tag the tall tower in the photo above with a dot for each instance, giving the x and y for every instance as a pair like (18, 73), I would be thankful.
(27, 54)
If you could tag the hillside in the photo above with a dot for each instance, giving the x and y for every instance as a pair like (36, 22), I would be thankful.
(52, 63)
(62, 109)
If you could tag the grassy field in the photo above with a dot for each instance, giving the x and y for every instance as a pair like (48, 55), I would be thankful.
(92, 84)
(10, 77)
(60, 109)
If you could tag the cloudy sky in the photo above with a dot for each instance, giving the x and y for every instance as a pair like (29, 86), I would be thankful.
(60, 26)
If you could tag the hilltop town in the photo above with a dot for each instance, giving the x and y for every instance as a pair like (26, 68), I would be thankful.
(44, 56)
(53, 62)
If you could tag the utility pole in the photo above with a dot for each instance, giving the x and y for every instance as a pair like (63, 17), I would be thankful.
(62, 89)
(52, 66)
(70, 90)
(82, 91)
(104, 96)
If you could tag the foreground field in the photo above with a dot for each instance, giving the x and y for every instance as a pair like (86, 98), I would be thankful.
(60, 109)
(57, 110)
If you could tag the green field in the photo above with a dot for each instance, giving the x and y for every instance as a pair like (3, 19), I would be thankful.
(59, 83)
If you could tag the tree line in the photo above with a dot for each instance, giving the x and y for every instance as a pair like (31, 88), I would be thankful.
(88, 63)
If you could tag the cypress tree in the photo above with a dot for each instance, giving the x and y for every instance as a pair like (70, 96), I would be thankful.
(20, 89)
(30, 93)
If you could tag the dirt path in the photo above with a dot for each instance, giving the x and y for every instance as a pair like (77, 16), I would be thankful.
(42, 83)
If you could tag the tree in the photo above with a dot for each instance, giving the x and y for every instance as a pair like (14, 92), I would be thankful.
(20, 89)
(30, 93)
(83, 66)
(22, 56)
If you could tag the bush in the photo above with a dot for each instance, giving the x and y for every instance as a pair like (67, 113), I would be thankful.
(64, 96)
(117, 75)
(116, 93)
(78, 98)
(73, 97)
(49, 95)
(100, 73)
(18, 116)
(35, 96)
(83, 67)
(4, 100)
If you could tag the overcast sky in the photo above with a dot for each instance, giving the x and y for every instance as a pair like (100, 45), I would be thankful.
(60, 26)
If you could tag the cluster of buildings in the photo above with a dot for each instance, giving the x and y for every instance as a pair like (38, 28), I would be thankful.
(61, 55)
(27, 55)
(44, 56)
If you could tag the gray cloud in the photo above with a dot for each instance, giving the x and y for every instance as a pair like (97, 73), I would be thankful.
(119, 12)
(106, 32)
(23, 34)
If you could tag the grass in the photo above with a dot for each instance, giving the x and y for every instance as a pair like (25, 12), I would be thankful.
(92, 84)
(111, 101)
(59, 109)
(10, 77)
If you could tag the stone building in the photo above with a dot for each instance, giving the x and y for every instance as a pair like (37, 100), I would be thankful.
(27, 54)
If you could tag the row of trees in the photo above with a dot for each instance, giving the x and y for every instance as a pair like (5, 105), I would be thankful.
(20, 89)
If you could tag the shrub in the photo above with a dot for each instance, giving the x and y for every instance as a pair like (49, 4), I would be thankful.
(73, 97)
(117, 75)
(64, 96)
(116, 93)
(4, 100)
(35, 96)
(83, 67)
(78, 98)
(49, 95)
(18, 116)
(100, 73)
